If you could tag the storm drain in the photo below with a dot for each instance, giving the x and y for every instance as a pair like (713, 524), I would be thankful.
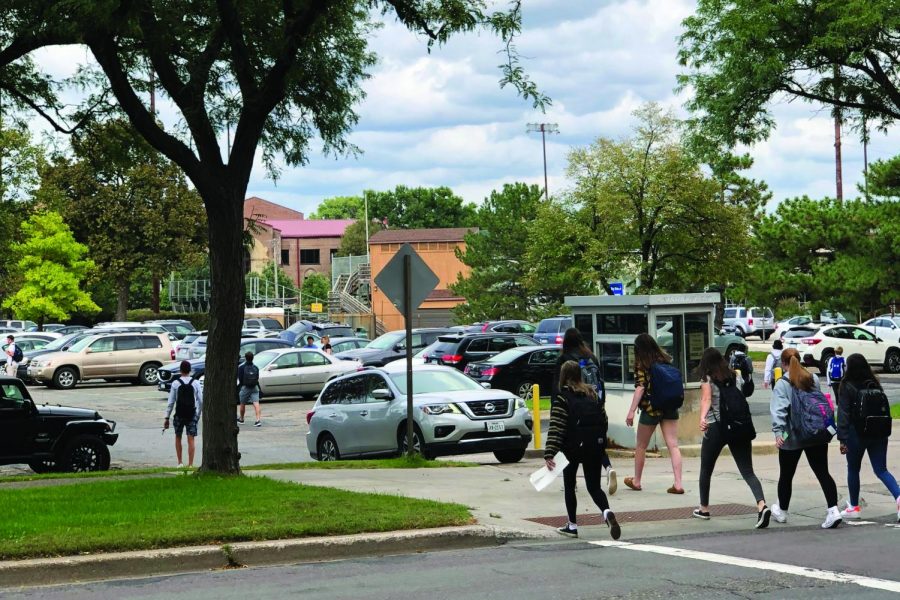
(646, 516)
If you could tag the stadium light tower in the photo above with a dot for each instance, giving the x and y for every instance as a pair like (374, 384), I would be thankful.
(544, 128)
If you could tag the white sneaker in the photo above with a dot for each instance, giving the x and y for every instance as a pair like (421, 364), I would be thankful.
(832, 518)
(851, 512)
(180, 465)
(780, 516)
(612, 482)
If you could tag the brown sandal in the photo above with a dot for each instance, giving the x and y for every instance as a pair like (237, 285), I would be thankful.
(675, 490)
(629, 482)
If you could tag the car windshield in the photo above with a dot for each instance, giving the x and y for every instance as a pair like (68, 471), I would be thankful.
(58, 344)
(82, 344)
(386, 341)
(426, 382)
(264, 358)
(507, 356)
(548, 326)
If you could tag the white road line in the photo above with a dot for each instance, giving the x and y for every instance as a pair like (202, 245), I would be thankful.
(854, 523)
(749, 563)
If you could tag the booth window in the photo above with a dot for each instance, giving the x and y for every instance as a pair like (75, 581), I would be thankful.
(585, 326)
(696, 340)
(629, 324)
(610, 356)
(670, 337)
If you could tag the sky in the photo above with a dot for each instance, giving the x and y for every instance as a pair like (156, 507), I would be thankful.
(441, 119)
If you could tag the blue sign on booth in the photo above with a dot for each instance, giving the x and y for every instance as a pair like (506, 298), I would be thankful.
(617, 288)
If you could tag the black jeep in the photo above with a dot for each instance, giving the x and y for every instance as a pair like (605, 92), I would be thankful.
(51, 438)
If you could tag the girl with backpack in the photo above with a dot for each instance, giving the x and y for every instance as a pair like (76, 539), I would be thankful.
(790, 447)
(647, 353)
(578, 426)
(863, 426)
(574, 348)
(719, 381)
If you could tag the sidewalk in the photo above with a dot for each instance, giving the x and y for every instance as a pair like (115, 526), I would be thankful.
(502, 496)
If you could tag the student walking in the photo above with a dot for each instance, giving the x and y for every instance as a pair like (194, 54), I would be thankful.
(864, 425)
(834, 371)
(773, 360)
(647, 355)
(578, 426)
(186, 398)
(725, 421)
(248, 389)
(790, 394)
(13, 356)
(575, 349)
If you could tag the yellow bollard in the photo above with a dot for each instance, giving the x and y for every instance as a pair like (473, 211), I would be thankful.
(536, 409)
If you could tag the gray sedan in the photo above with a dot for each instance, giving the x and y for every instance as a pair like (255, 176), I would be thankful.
(298, 371)
(364, 414)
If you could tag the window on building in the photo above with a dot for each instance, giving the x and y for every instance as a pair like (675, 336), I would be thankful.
(309, 257)
(285, 257)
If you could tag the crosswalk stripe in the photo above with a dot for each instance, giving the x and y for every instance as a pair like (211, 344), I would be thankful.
(737, 561)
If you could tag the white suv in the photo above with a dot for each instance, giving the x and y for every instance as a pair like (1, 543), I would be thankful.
(750, 321)
(854, 340)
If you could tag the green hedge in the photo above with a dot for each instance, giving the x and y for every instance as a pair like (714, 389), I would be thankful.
(199, 320)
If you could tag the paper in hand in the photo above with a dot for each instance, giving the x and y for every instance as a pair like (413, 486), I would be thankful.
(543, 477)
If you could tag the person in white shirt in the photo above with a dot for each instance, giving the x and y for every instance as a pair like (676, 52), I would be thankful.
(11, 365)
(772, 360)
(186, 398)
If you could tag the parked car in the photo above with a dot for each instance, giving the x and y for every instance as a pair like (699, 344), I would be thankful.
(47, 327)
(299, 330)
(459, 350)
(364, 414)
(70, 329)
(391, 346)
(17, 324)
(130, 356)
(826, 317)
(550, 331)
(517, 369)
(263, 324)
(758, 321)
(179, 327)
(854, 340)
(29, 343)
(298, 371)
(51, 438)
(508, 326)
(170, 371)
(786, 324)
(793, 336)
(182, 347)
(342, 344)
(886, 327)
(56, 345)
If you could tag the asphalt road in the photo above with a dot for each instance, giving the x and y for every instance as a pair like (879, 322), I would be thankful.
(860, 562)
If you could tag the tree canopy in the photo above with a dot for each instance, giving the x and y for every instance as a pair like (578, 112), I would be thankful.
(741, 55)
(355, 242)
(340, 207)
(421, 208)
(52, 266)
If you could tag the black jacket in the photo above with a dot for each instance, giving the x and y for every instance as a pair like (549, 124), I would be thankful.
(847, 394)
(554, 388)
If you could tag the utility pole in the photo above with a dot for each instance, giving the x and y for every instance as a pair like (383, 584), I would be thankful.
(838, 171)
(366, 202)
(544, 128)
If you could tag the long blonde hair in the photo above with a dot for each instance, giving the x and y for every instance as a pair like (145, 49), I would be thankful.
(798, 375)
(570, 377)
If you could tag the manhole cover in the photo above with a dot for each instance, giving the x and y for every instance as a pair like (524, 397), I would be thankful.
(645, 516)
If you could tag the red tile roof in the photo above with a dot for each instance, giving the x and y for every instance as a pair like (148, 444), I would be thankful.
(310, 228)
(400, 236)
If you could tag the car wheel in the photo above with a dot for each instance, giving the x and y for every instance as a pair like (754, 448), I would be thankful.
(823, 365)
(524, 390)
(402, 446)
(148, 374)
(328, 448)
(892, 361)
(65, 378)
(85, 453)
(513, 455)
(43, 466)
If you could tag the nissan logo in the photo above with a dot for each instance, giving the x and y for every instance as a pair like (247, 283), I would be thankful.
(489, 407)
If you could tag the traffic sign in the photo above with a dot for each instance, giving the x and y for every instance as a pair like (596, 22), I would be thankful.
(421, 278)
(315, 307)
(617, 288)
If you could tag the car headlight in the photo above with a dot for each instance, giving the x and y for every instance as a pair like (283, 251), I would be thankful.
(440, 409)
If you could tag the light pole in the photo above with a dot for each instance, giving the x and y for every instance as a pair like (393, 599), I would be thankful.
(366, 201)
(275, 262)
(544, 128)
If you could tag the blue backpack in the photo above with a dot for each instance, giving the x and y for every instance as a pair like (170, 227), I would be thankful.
(836, 368)
(812, 418)
(666, 387)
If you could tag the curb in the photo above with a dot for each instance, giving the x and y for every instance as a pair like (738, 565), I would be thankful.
(169, 561)
(687, 451)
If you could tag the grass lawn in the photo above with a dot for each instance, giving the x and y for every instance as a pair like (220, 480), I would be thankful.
(895, 411)
(139, 514)
(757, 356)
(90, 475)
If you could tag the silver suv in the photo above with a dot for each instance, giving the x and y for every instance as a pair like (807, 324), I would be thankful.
(365, 414)
(755, 320)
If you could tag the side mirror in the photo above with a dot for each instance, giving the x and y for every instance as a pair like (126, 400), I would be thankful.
(88, 350)
(382, 394)
(270, 368)
(486, 385)
(878, 339)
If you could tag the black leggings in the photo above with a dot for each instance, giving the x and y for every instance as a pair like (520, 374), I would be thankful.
(817, 457)
(593, 468)
(742, 452)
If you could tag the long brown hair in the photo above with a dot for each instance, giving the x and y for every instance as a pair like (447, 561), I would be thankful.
(797, 374)
(570, 377)
(647, 352)
(714, 366)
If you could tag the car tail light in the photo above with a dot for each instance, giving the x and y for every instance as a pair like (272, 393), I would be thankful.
(750, 321)
(172, 353)
(309, 416)
(451, 359)
(559, 339)
(490, 371)
(811, 341)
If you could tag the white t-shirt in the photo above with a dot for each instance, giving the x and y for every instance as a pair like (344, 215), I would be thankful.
(713, 415)
(10, 351)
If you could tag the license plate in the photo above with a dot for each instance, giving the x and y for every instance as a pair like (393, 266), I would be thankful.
(162, 386)
(496, 426)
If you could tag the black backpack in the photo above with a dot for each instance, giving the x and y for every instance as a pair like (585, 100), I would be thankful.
(587, 425)
(734, 413)
(17, 355)
(251, 375)
(871, 413)
(590, 374)
(185, 409)
(741, 362)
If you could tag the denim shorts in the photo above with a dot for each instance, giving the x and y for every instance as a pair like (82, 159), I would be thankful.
(654, 420)
(248, 395)
(190, 425)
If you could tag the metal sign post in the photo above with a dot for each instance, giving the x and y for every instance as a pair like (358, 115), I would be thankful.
(407, 318)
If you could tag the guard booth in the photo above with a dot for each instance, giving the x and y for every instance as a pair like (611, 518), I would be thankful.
(682, 325)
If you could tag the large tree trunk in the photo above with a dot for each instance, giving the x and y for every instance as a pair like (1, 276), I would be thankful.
(154, 295)
(226, 252)
(123, 286)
